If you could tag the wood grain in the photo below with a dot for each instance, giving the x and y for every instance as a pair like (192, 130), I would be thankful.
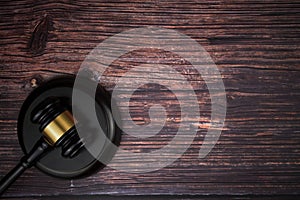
(182, 197)
(255, 45)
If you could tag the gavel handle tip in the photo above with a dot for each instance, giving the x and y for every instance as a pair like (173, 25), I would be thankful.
(39, 149)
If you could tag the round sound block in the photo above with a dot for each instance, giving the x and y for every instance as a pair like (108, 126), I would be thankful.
(54, 163)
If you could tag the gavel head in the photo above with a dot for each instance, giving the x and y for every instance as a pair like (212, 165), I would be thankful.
(58, 126)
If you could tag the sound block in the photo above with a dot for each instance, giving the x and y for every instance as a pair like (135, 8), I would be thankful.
(54, 163)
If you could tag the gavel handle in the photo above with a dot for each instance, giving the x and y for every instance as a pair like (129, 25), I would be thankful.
(39, 149)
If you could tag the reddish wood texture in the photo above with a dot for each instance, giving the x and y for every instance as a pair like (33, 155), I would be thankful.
(255, 44)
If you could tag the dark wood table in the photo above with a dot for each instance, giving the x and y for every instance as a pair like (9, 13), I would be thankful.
(255, 45)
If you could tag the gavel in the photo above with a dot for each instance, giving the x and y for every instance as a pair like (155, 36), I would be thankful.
(48, 131)
(57, 127)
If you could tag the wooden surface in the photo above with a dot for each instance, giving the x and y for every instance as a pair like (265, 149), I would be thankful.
(255, 44)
